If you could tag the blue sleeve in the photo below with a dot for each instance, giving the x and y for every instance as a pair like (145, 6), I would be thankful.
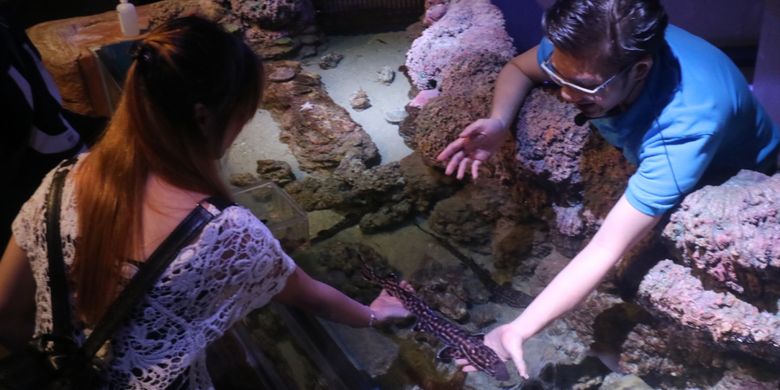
(671, 163)
(545, 50)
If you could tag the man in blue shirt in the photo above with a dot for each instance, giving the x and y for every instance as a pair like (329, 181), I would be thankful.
(676, 105)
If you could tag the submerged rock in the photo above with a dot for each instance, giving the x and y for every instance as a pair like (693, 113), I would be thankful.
(320, 133)
(359, 100)
(330, 60)
(386, 75)
(276, 171)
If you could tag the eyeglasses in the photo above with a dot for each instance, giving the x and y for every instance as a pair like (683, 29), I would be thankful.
(558, 79)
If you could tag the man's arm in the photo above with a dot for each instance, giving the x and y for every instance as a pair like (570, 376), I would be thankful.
(517, 77)
(623, 228)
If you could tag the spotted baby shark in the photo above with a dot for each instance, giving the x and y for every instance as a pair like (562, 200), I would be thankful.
(459, 344)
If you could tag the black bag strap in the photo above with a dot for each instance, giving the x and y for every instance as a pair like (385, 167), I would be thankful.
(151, 270)
(58, 283)
(184, 233)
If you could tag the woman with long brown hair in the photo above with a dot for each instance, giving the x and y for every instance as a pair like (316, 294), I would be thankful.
(188, 93)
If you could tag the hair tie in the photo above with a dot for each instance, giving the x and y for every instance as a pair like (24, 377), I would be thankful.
(141, 52)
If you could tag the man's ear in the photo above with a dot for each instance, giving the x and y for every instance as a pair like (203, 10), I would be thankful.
(641, 69)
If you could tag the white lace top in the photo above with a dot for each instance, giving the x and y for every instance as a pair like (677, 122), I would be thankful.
(234, 267)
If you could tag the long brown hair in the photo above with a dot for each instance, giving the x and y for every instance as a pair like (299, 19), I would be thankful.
(182, 63)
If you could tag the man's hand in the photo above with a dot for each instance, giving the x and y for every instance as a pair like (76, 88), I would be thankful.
(507, 341)
(475, 144)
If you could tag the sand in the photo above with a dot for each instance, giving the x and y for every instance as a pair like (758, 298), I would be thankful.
(364, 56)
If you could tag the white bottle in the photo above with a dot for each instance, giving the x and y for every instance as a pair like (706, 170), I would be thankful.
(128, 19)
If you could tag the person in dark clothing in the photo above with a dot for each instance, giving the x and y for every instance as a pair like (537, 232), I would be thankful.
(37, 132)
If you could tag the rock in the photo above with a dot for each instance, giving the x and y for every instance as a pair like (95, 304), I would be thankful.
(386, 75)
(511, 243)
(359, 100)
(278, 172)
(270, 14)
(467, 27)
(671, 292)
(730, 233)
(396, 116)
(323, 221)
(320, 133)
(307, 51)
(386, 217)
(282, 74)
(309, 39)
(330, 60)
(242, 180)
(615, 381)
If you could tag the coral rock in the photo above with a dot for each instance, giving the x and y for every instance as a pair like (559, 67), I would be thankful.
(467, 27)
(730, 234)
(671, 292)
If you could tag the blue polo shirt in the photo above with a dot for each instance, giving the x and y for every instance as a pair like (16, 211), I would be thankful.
(695, 114)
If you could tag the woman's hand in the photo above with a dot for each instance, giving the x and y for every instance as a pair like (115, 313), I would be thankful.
(507, 341)
(475, 144)
(387, 307)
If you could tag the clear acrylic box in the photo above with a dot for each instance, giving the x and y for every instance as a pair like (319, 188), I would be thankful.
(277, 210)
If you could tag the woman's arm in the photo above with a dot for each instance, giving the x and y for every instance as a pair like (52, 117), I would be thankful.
(17, 299)
(309, 294)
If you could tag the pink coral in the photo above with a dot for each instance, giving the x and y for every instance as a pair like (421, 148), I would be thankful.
(467, 27)
(424, 97)
(434, 13)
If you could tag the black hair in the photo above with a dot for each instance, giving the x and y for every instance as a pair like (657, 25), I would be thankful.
(616, 33)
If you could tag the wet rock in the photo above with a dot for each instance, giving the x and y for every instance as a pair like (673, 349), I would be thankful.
(270, 14)
(557, 345)
(310, 39)
(617, 381)
(549, 144)
(386, 75)
(730, 233)
(320, 133)
(269, 44)
(425, 185)
(441, 120)
(244, 179)
(359, 100)
(386, 217)
(330, 60)
(376, 352)
(742, 379)
(469, 216)
(308, 51)
(669, 291)
(322, 221)
(511, 243)
(282, 74)
(276, 171)
(339, 264)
